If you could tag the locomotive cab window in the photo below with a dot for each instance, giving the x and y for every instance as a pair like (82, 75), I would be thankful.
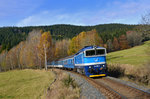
(100, 51)
(90, 53)
(95, 52)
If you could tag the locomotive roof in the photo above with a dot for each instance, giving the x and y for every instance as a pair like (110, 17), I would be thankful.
(89, 47)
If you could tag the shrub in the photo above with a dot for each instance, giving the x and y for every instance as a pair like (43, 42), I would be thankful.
(137, 74)
(69, 82)
(115, 70)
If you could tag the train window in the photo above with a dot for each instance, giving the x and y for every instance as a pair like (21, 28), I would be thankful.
(95, 52)
(90, 53)
(65, 62)
(100, 51)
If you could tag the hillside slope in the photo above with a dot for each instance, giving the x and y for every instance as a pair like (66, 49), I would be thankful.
(136, 56)
(11, 36)
(131, 64)
(24, 84)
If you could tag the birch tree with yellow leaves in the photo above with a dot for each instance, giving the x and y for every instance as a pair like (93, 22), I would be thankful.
(45, 47)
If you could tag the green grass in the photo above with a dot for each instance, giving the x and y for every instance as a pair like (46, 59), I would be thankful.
(136, 56)
(24, 84)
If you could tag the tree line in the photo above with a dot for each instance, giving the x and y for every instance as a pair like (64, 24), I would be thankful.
(11, 36)
(32, 53)
(39, 48)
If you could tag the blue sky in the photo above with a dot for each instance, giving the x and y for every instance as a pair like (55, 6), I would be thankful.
(77, 12)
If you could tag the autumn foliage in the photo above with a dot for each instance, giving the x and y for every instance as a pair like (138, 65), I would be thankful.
(84, 39)
(28, 54)
(40, 48)
(45, 47)
(61, 48)
(116, 45)
(123, 42)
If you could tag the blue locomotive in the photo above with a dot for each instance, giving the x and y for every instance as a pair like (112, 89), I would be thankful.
(90, 61)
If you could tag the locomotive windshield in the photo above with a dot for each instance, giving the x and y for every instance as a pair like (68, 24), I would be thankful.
(100, 51)
(90, 53)
(95, 52)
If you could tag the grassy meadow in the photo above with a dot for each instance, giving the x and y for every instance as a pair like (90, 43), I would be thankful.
(136, 56)
(24, 84)
(131, 64)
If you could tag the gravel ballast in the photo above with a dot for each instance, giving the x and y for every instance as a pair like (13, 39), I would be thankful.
(87, 90)
(90, 92)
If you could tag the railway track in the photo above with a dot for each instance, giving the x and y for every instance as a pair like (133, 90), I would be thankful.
(114, 89)
(126, 91)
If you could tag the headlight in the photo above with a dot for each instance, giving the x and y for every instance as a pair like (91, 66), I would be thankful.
(89, 66)
(103, 65)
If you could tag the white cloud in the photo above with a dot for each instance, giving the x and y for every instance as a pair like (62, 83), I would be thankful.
(119, 12)
(47, 18)
(91, 18)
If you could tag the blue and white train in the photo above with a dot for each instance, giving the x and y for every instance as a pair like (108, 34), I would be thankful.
(90, 61)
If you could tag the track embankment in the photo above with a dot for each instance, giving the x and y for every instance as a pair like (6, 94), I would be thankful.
(63, 87)
(114, 89)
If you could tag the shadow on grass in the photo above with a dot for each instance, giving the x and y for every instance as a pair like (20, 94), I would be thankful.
(6, 97)
(116, 72)
(112, 57)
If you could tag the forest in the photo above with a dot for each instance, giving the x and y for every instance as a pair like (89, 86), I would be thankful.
(11, 36)
(33, 47)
